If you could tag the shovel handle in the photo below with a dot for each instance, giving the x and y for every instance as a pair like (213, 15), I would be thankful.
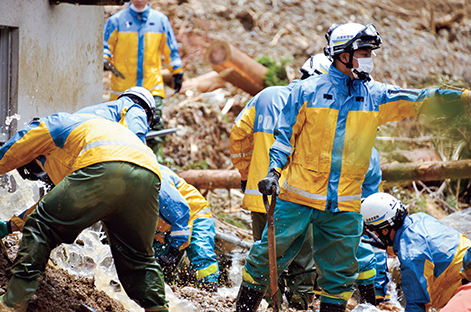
(272, 247)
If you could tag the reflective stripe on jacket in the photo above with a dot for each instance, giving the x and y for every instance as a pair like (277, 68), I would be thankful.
(135, 44)
(251, 138)
(124, 111)
(71, 142)
(431, 256)
(328, 128)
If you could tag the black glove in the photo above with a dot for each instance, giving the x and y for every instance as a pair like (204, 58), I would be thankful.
(374, 240)
(243, 185)
(106, 64)
(168, 261)
(178, 79)
(266, 184)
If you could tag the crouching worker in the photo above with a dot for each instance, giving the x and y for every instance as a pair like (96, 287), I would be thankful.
(431, 253)
(118, 181)
(185, 223)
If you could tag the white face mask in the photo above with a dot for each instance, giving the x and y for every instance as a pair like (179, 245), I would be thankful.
(365, 65)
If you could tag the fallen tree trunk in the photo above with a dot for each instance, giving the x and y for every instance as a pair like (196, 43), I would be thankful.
(427, 171)
(244, 73)
(392, 173)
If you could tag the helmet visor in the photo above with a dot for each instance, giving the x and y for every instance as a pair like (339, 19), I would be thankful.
(366, 38)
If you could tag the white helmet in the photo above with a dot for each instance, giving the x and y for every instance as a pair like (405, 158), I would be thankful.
(143, 97)
(381, 210)
(350, 37)
(317, 64)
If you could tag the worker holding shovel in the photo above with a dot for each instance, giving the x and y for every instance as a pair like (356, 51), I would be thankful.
(250, 140)
(323, 143)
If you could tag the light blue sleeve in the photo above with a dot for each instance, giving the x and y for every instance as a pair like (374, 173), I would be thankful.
(373, 177)
(175, 211)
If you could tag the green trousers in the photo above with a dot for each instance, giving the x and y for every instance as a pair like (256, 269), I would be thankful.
(297, 281)
(125, 197)
(335, 235)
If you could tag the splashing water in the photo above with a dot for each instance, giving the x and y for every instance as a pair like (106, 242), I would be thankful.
(9, 119)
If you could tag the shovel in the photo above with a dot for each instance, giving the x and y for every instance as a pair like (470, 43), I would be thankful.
(272, 248)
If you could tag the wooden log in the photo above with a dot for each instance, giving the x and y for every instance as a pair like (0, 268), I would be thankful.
(204, 83)
(427, 171)
(247, 72)
(212, 179)
(392, 173)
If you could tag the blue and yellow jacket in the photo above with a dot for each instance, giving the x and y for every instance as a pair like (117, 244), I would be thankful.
(327, 129)
(135, 44)
(68, 142)
(251, 138)
(180, 204)
(431, 256)
(124, 111)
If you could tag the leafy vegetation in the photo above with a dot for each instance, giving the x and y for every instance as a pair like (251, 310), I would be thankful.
(276, 74)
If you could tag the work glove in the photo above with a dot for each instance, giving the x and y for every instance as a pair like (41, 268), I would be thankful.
(168, 261)
(243, 185)
(178, 80)
(5, 228)
(106, 63)
(374, 240)
(266, 184)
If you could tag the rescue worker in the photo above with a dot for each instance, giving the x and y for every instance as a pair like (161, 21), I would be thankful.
(118, 180)
(250, 139)
(430, 253)
(184, 212)
(327, 130)
(135, 109)
(135, 41)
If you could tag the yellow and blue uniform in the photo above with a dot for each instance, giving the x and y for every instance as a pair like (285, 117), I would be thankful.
(250, 140)
(327, 131)
(124, 111)
(69, 142)
(100, 170)
(431, 256)
(135, 44)
(196, 232)
(344, 115)
(174, 216)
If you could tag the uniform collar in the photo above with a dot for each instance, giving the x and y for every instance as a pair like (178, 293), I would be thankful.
(397, 237)
(343, 82)
(144, 15)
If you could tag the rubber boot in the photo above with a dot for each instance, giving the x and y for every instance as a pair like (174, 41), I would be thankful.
(331, 307)
(368, 293)
(248, 299)
(19, 292)
(300, 301)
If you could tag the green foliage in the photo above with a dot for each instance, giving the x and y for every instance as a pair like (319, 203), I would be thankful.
(276, 74)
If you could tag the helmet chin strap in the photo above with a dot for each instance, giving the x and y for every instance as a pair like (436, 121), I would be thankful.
(386, 239)
(362, 75)
(349, 65)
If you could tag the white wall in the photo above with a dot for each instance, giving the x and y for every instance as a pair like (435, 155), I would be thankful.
(60, 66)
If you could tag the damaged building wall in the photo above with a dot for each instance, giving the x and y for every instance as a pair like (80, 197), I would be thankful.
(58, 56)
